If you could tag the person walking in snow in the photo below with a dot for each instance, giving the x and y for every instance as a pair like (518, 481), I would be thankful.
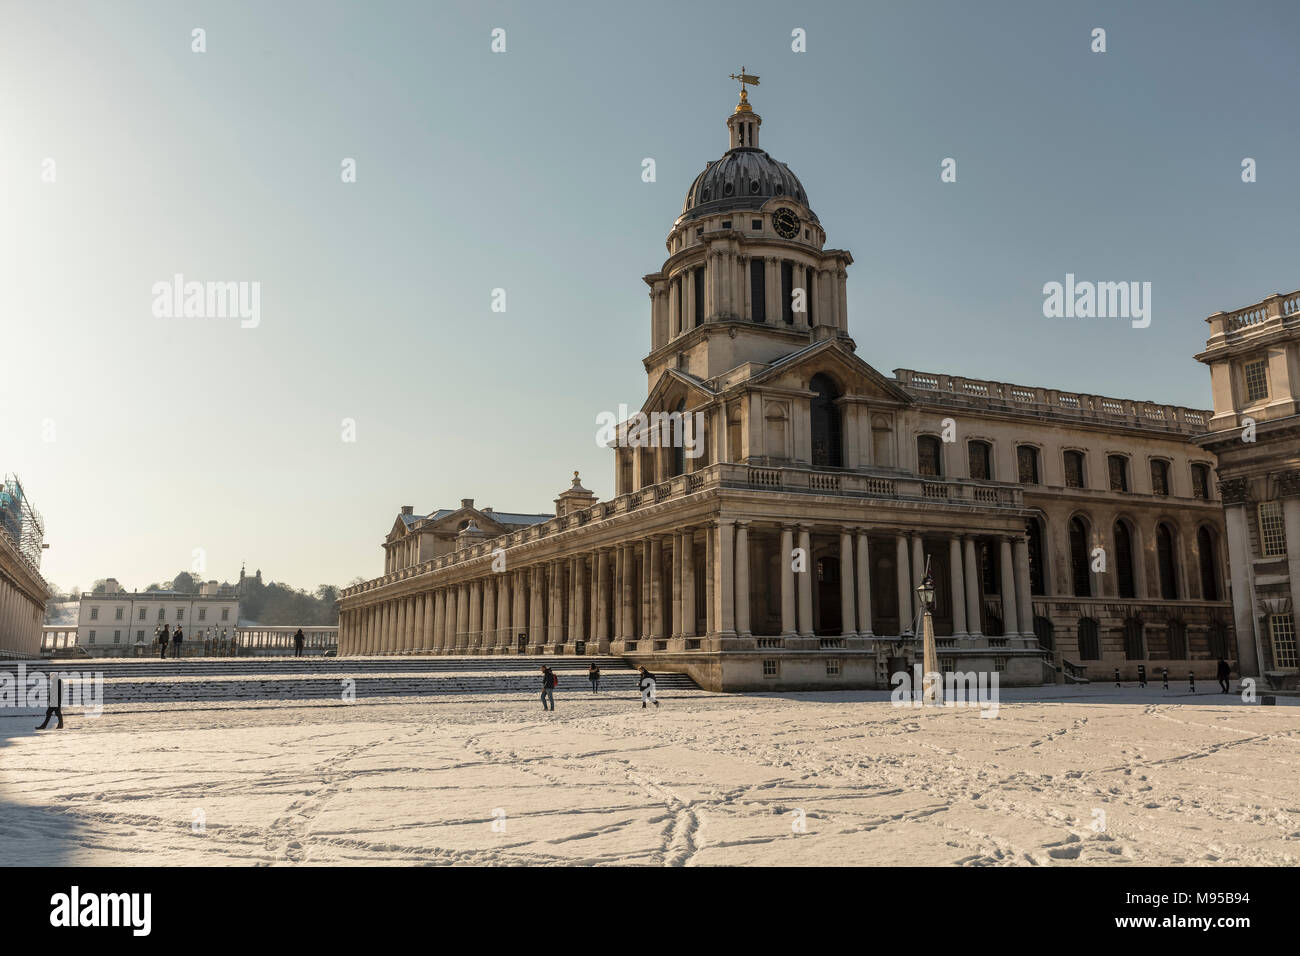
(549, 680)
(55, 709)
(1225, 672)
(593, 675)
(298, 641)
(163, 637)
(646, 683)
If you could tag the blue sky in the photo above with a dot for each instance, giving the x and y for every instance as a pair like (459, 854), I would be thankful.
(144, 438)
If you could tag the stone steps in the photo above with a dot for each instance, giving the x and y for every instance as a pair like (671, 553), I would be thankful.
(288, 678)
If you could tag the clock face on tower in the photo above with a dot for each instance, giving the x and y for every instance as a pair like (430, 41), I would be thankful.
(786, 223)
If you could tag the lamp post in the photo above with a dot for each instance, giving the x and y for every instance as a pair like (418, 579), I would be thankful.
(932, 677)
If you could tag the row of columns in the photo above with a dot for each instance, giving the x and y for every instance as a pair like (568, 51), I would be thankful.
(21, 620)
(647, 590)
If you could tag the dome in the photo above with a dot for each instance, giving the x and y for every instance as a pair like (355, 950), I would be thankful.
(744, 178)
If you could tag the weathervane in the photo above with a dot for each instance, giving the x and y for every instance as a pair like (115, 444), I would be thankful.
(744, 78)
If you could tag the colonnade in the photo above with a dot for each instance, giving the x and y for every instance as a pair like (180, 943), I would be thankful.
(649, 590)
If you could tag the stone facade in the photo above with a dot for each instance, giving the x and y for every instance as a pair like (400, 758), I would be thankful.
(777, 499)
(116, 619)
(23, 593)
(1254, 359)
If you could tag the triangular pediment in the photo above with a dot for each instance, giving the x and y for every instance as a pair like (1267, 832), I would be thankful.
(856, 377)
(672, 384)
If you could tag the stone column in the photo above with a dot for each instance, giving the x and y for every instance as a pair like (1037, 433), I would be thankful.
(742, 579)
(426, 639)
(451, 620)
(724, 578)
(581, 627)
(1007, 578)
(972, 576)
(476, 616)
(688, 584)
(864, 585)
(772, 275)
(848, 613)
(656, 588)
(555, 622)
(501, 639)
(710, 590)
(904, 584)
(488, 641)
(805, 613)
(536, 622)
(572, 589)
(1291, 526)
(787, 581)
(462, 618)
(518, 609)
(439, 620)
(1240, 568)
(1024, 602)
(602, 600)
(399, 633)
(676, 583)
(956, 587)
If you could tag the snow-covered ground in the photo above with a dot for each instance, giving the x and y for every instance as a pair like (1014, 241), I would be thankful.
(1062, 776)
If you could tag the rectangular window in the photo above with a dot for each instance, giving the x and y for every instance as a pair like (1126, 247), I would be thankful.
(225, 613)
(180, 613)
(142, 613)
(726, 224)
(162, 614)
(1074, 470)
(94, 614)
(1117, 465)
(117, 637)
(756, 224)
(91, 637)
(1281, 629)
(117, 613)
(1160, 477)
(979, 461)
(787, 293)
(833, 667)
(1272, 530)
(769, 668)
(203, 614)
(139, 635)
(808, 295)
(757, 289)
(1257, 380)
(1201, 481)
(1027, 463)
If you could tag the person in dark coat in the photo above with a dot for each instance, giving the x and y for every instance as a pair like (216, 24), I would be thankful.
(177, 637)
(1224, 673)
(646, 682)
(593, 675)
(55, 709)
(298, 641)
(163, 637)
(549, 681)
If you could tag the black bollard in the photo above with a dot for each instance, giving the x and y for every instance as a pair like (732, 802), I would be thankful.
(1142, 675)
(1165, 671)
(1191, 681)
(1117, 677)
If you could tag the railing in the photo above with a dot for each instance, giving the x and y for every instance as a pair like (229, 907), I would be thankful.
(1274, 306)
(1049, 401)
(250, 641)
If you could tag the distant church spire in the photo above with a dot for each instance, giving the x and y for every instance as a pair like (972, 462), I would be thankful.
(743, 124)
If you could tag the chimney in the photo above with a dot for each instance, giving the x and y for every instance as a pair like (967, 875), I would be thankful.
(408, 509)
(467, 502)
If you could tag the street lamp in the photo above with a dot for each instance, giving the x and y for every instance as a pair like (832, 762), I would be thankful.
(931, 677)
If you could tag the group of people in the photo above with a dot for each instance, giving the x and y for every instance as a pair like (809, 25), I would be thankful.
(551, 680)
(176, 637)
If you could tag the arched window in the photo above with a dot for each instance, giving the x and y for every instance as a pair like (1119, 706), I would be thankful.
(1089, 646)
(979, 457)
(1117, 467)
(1037, 567)
(1165, 560)
(1209, 570)
(1200, 481)
(929, 455)
(826, 444)
(1124, 561)
(1080, 559)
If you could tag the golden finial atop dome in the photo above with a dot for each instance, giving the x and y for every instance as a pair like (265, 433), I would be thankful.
(743, 106)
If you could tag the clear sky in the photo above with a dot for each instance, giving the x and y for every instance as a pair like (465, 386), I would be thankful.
(144, 438)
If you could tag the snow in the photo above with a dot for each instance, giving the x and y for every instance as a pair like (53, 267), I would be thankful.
(1067, 775)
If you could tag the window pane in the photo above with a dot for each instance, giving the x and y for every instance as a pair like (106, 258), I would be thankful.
(1027, 462)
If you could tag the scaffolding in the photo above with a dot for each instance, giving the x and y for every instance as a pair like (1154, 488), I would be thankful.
(21, 522)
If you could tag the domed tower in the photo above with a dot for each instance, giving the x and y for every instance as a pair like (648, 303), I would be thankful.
(747, 277)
